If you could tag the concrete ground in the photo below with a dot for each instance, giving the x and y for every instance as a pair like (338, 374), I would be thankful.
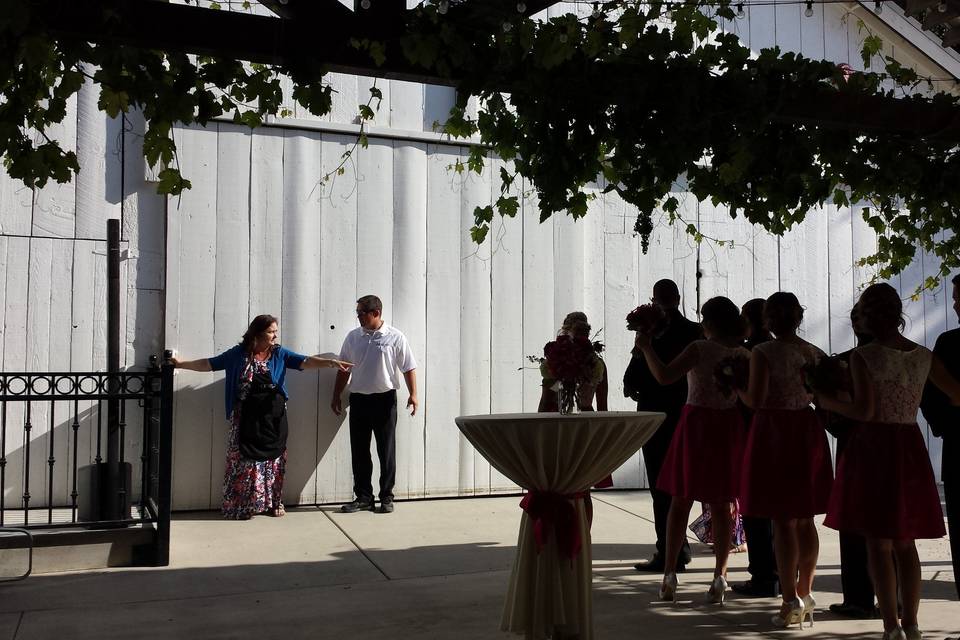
(432, 569)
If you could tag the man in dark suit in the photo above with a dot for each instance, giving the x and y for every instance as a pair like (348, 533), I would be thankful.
(672, 337)
(855, 583)
(944, 420)
(761, 562)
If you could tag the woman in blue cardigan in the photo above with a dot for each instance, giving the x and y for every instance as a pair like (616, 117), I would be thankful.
(256, 446)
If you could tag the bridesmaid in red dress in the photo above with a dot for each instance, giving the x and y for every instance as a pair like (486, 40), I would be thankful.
(885, 489)
(787, 471)
(702, 461)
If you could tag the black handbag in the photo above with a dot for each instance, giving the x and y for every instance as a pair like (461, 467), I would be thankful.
(262, 434)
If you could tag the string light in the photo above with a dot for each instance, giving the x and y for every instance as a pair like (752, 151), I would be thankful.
(506, 27)
(364, 4)
(809, 10)
(878, 7)
(443, 6)
(521, 7)
(740, 12)
(942, 7)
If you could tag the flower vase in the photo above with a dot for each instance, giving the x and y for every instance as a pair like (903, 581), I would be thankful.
(567, 398)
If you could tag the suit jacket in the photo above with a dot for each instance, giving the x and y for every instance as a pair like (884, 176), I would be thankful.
(943, 417)
(639, 383)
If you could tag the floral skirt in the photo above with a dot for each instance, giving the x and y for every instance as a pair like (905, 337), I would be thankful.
(249, 486)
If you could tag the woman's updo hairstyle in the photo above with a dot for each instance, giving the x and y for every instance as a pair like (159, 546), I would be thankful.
(881, 309)
(258, 326)
(782, 313)
(722, 317)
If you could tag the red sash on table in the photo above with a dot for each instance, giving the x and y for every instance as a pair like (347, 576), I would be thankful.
(555, 511)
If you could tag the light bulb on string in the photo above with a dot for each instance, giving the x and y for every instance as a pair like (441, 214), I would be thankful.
(809, 10)
(443, 6)
(878, 7)
(364, 4)
(596, 10)
(942, 7)
(668, 14)
(521, 7)
(507, 27)
(563, 37)
(740, 12)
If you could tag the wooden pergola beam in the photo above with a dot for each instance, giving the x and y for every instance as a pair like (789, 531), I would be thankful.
(324, 42)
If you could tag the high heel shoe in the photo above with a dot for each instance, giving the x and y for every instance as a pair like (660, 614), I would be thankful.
(790, 613)
(895, 634)
(913, 633)
(717, 590)
(668, 588)
(809, 604)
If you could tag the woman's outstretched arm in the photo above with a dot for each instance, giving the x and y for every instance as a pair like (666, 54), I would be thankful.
(203, 364)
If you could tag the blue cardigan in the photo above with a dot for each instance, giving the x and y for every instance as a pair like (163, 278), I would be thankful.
(233, 360)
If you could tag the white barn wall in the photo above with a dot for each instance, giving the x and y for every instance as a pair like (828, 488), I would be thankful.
(260, 232)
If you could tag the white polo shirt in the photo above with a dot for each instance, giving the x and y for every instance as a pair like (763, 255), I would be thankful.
(377, 356)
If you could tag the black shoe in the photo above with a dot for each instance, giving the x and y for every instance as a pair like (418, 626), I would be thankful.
(386, 506)
(655, 565)
(360, 504)
(853, 611)
(754, 589)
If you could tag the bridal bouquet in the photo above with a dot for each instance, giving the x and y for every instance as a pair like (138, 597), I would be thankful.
(645, 318)
(732, 373)
(829, 373)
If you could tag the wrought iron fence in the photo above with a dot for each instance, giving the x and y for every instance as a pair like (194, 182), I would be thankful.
(55, 429)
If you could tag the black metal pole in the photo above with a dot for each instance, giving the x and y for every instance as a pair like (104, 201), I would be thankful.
(165, 462)
(112, 505)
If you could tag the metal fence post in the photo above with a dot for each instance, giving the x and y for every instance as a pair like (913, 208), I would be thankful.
(165, 466)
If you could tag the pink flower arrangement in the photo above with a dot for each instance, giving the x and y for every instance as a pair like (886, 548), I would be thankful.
(570, 359)
(732, 373)
(827, 374)
(645, 318)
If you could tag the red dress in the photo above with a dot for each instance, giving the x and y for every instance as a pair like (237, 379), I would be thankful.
(885, 484)
(787, 470)
(703, 460)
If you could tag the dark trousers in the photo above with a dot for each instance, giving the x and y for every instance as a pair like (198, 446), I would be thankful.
(854, 568)
(951, 491)
(654, 452)
(762, 563)
(374, 413)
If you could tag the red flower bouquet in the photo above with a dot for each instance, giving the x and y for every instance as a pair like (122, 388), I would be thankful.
(827, 374)
(732, 373)
(645, 318)
(570, 359)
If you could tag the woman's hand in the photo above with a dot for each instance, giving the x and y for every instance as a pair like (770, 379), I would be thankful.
(342, 365)
(641, 340)
(317, 362)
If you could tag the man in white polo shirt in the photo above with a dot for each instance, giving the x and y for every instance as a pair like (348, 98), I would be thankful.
(378, 352)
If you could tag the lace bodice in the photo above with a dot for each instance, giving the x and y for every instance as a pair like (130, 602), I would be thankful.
(785, 361)
(701, 386)
(898, 378)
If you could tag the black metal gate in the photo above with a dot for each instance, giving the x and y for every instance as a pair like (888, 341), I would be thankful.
(53, 437)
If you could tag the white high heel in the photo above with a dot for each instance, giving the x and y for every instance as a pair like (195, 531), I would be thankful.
(793, 615)
(894, 634)
(809, 604)
(717, 590)
(668, 588)
(913, 633)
